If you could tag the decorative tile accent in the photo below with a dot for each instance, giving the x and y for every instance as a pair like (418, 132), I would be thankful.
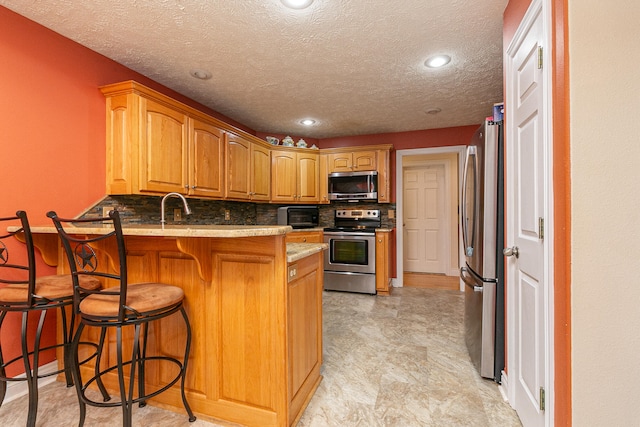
(146, 210)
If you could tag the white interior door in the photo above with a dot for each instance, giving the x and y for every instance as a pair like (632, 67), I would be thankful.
(425, 220)
(526, 284)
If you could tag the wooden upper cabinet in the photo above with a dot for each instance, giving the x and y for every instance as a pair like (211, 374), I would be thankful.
(308, 170)
(323, 180)
(237, 167)
(157, 145)
(248, 169)
(260, 185)
(384, 177)
(294, 176)
(283, 176)
(163, 148)
(353, 161)
(206, 160)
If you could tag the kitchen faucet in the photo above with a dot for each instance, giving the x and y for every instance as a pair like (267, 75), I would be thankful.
(187, 209)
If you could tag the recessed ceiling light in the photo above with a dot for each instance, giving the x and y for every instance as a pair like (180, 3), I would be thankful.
(308, 122)
(433, 111)
(200, 74)
(437, 61)
(297, 4)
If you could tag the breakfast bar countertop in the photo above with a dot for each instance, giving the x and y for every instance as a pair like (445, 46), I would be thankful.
(295, 251)
(222, 231)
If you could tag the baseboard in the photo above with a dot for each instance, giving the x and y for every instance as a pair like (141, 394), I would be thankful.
(17, 389)
(504, 384)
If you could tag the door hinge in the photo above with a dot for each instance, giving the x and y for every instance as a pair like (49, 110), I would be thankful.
(542, 398)
(541, 228)
(539, 57)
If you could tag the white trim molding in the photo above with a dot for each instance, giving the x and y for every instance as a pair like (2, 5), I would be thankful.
(400, 156)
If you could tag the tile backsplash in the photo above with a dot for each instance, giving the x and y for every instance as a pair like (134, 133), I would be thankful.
(146, 210)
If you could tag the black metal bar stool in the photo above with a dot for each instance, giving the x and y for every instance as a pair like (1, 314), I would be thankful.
(119, 305)
(25, 293)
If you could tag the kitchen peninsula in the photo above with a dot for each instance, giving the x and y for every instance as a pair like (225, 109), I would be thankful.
(255, 307)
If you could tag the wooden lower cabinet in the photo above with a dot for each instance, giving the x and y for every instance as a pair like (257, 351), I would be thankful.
(256, 346)
(315, 236)
(383, 262)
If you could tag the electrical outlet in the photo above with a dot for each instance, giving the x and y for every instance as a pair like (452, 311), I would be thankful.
(105, 211)
(392, 213)
(227, 215)
(177, 215)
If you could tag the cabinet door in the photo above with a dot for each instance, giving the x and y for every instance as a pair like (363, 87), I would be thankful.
(163, 149)
(323, 178)
(283, 176)
(206, 160)
(364, 160)
(237, 166)
(307, 176)
(340, 162)
(260, 173)
(383, 263)
(384, 177)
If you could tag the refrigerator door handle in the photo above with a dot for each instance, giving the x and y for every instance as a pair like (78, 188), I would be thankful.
(468, 280)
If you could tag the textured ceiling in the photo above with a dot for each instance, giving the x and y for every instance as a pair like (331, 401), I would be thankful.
(355, 66)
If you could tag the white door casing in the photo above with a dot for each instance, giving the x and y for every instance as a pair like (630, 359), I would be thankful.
(403, 158)
(529, 227)
(426, 225)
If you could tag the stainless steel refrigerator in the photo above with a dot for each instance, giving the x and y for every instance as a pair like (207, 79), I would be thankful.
(482, 228)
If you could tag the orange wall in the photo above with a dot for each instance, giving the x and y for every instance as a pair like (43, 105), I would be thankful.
(52, 129)
(513, 14)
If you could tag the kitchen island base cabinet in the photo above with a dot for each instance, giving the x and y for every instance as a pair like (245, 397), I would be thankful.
(256, 321)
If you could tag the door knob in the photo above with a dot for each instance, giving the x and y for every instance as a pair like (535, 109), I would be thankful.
(513, 251)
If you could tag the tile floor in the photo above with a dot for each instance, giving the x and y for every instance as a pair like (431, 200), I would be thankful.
(388, 361)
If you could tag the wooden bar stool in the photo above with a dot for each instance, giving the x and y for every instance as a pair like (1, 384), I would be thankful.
(101, 253)
(25, 293)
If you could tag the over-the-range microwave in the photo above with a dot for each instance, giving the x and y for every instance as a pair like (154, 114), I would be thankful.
(350, 186)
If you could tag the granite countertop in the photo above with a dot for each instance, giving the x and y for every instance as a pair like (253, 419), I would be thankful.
(222, 231)
(297, 251)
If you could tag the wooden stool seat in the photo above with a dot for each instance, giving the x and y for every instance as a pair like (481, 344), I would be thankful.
(47, 288)
(142, 298)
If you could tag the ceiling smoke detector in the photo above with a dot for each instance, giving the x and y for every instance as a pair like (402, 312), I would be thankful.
(200, 74)
(297, 4)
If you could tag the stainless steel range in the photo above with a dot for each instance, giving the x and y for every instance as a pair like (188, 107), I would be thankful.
(350, 262)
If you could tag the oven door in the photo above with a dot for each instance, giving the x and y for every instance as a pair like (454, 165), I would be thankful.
(350, 252)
